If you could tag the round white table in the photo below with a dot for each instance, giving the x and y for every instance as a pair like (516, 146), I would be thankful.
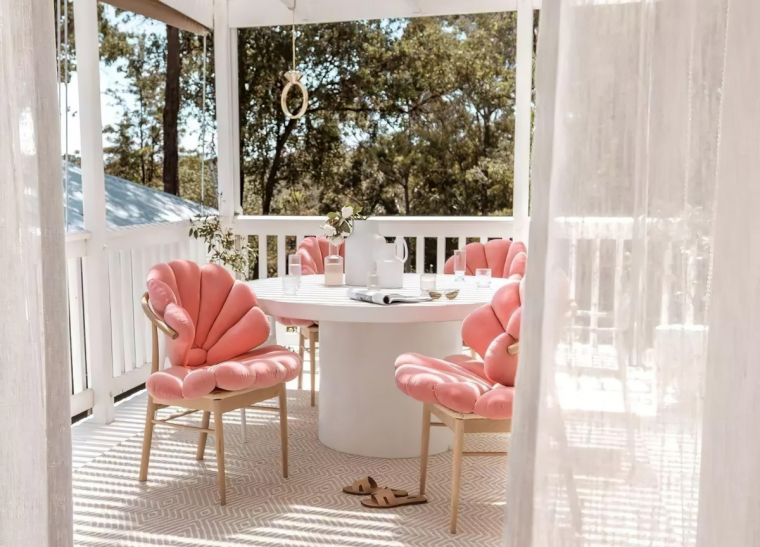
(361, 411)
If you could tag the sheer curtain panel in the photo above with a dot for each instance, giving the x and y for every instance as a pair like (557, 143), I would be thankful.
(639, 384)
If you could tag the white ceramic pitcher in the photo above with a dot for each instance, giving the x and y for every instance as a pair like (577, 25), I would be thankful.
(390, 259)
(360, 246)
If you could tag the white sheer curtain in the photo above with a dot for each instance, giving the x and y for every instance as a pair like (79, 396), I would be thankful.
(35, 426)
(639, 385)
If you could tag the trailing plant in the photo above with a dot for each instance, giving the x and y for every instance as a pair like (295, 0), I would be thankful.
(221, 244)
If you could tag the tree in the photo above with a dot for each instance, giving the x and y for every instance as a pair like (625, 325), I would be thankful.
(407, 117)
(171, 111)
(138, 135)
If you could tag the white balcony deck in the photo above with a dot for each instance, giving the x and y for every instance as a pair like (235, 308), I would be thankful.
(179, 503)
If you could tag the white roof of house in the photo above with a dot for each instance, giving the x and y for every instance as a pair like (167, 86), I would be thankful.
(129, 204)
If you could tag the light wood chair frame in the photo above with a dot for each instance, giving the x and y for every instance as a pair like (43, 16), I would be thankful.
(217, 402)
(460, 424)
(312, 333)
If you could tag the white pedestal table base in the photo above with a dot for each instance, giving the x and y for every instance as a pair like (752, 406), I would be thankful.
(361, 411)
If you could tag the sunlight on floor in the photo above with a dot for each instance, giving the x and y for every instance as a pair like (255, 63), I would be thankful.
(179, 503)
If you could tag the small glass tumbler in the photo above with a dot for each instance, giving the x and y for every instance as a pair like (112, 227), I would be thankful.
(460, 264)
(294, 266)
(373, 281)
(427, 283)
(333, 271)
(483, 278)
(290, 285)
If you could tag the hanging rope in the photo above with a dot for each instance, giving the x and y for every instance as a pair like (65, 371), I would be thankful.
(293, 78)
(203, 133)
(293, 13)
(66, 101)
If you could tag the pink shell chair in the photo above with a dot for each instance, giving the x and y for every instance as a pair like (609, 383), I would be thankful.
(502, 256)
(470, 395)
(464, 384)
(218, 324)
(212, 325)
(313, 251)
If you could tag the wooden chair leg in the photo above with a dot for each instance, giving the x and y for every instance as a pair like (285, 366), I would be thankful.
(456, 472)
(203, 436)
(301, 351)
(219, 435)
(284, 429)
(424, 448)
(243, 426)
(313, 338)
(150, 415)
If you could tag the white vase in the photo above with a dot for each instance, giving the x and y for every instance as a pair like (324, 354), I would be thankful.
(360, 248)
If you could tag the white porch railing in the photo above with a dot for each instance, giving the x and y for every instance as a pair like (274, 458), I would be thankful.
(417, 228)
(131, 253)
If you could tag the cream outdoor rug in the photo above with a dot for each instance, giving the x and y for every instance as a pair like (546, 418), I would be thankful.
(179, 504)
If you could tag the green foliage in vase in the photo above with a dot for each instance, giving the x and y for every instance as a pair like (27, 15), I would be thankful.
(222, 246)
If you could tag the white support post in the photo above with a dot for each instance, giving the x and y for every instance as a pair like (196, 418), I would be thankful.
(97, 300)
(224, 111)
(35, 389)
(235, 121)
(523, 99)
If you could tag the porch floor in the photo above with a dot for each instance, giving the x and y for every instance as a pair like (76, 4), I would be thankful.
(179, 503)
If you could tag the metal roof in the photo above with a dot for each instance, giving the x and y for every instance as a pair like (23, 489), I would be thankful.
(129, 204)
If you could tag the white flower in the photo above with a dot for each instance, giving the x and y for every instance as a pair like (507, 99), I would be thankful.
(347, 212)
(329, 230)
(338, 241)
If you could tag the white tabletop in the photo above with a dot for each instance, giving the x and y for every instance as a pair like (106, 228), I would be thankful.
(316, 302)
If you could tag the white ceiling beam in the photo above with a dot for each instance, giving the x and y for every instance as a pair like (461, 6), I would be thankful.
(267, 13)
(189, 15)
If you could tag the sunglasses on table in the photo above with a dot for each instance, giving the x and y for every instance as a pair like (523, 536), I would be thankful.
(451, 295)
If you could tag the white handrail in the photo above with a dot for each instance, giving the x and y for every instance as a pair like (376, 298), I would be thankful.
(419, 228)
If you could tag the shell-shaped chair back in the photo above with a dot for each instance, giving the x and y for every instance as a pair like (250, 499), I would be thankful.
(493, 328)
(505, 258)
(216, 317)
(313, 251)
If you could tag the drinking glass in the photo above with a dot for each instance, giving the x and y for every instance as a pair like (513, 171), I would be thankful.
(294, 266)
(427, 283)
(373, 281)
(483, 278)
(460, 264)
(334, 271)
(290, 285)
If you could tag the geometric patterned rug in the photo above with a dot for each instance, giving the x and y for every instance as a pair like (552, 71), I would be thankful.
(179, 504)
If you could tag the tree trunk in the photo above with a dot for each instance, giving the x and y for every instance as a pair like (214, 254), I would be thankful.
(171, 112)
(271, 181)
(407, 205)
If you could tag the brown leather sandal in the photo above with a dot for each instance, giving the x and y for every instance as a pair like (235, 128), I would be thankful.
(366, 486)
(384, 499)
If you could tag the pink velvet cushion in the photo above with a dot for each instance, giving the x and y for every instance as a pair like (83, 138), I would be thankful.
(444, 382)
(497, 254)
(217, 353)
(474, 386)
(261, 368)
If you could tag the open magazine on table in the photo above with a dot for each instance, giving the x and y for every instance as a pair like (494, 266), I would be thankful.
(383, 298)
